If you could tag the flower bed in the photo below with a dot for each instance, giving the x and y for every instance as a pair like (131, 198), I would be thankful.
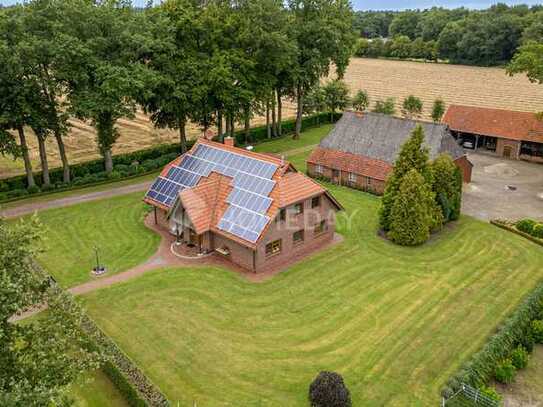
(512, 227)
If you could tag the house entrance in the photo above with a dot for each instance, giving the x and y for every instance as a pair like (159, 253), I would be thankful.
(507, 150)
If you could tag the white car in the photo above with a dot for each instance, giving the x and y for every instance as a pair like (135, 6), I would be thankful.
(468, 144)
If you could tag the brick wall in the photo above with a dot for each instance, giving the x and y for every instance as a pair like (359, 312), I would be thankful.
(284, 231)
(239, 254)
(466, 167)
(514, 145)
(363, 183)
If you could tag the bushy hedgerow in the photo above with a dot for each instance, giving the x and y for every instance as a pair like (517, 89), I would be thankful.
(329, 390)
(505, 371)
(491, 393)
(537, 330)
(520, 357)
(526, 225)
(516, 330)
(537, 231)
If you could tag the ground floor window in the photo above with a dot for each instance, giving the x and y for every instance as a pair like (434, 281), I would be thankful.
(318, 169)
(352, 177)
(368, 182)
(273, 247)
(531, 149)
(320, 227)
(298, 237)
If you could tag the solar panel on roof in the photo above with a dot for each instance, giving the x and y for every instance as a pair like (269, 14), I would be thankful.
(249, 199)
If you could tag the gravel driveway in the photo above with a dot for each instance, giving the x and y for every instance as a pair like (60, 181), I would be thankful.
(502, 188)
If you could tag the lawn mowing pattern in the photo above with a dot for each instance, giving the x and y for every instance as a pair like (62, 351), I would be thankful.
(96, 390)
(114, 225)
(395, 321)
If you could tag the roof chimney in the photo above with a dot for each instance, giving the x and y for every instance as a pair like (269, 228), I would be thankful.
(229, 141)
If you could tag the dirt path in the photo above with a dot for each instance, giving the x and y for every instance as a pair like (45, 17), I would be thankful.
(32, 207)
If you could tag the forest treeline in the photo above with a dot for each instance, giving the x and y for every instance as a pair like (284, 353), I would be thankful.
(210, 62)
(475, 37)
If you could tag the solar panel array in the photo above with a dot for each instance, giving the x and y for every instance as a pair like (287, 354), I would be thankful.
(249, 200)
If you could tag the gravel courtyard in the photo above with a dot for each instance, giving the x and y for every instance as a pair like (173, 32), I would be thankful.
(505, 189)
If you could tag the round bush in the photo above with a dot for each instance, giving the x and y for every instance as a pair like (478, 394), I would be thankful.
(537, 330)
(537, 231)
(505, 371)
(519, 358)
(526, 225)
(329, 390)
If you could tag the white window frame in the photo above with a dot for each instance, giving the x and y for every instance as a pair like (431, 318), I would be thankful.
(318, 169)
(352, 177)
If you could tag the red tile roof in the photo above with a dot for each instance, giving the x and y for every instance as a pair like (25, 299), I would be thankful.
(495, 122)
(206, 203)
(348, 162)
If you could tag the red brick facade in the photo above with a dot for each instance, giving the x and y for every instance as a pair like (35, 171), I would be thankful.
(281, 229)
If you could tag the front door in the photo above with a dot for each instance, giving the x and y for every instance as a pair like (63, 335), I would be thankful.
(507, 150)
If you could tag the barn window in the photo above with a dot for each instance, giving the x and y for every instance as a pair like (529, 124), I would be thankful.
(319, 228)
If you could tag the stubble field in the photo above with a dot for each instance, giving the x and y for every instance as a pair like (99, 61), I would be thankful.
(476, 86)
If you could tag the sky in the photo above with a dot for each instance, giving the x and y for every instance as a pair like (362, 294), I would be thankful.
(398, 4)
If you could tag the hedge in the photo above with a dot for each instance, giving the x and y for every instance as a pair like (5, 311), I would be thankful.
(514, 331)
(511, 228)
(136, 388)
(133, 164)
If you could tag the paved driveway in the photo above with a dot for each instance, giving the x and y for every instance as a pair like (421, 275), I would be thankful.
(488, 196)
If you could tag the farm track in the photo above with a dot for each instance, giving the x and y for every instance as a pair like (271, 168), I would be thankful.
(486, 87)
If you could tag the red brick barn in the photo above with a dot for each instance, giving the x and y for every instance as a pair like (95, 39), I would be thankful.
(255, 209)
(505, 133)
(361, 149)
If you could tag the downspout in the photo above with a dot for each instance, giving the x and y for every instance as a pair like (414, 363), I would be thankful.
(254, 261)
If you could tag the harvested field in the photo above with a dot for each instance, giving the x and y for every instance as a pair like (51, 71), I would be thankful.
(455, 84)
(487, 87)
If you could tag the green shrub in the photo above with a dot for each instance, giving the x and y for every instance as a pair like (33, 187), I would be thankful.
(537, 231)
(527, 341)
(329, 390)
(49, 187)
(491, 393)
(15, 193)
(33, 189)
(519, 358)
(505, 371)
(526, 225)
(537, 330)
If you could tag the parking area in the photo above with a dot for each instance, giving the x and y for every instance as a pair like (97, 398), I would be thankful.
(503, 189)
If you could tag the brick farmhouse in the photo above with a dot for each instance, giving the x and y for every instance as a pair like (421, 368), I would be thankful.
(506, 133)
(255, 209)
(361, 149)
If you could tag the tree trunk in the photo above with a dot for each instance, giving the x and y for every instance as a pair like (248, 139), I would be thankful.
(268, 128)
(219, 125)
(182, 135)
(274, 122)
(299, 99)
(63, 157)
(232, 126)
(247, 126)
(43, 158)
(279, 113)
(26, 157)
(227, 126)
(108, 160)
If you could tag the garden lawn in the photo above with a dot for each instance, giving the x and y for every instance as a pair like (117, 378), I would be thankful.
(307, 140)
(115, 226)
(96, 390)
(395, 322)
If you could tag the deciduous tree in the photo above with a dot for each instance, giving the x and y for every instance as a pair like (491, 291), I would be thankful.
(438, 110)
(412, 107)
(361, 101)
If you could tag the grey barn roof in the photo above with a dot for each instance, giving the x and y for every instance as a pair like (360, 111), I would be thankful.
(381, 136)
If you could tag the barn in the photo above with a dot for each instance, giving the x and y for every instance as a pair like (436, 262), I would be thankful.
(361, 149)
(505, 133)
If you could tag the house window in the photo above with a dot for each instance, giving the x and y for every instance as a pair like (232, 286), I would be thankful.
(273, 247)
(368, 181)
(335, 173)
(282, 215)
(318, 169)
(316, 202)
(298, 208)
(319, 228)
(352, 177)
(298, 237)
